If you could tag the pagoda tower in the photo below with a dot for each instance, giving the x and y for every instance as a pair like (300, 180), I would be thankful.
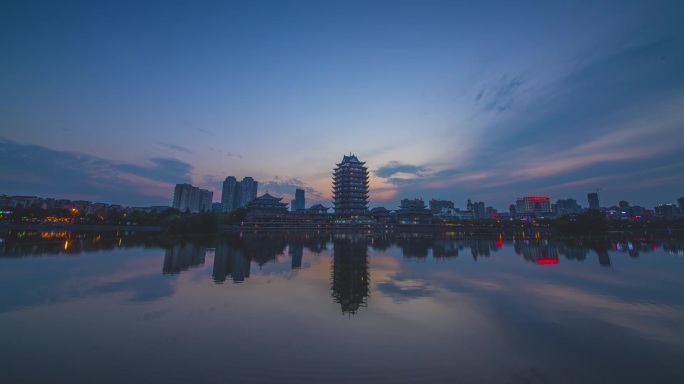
(350, 188)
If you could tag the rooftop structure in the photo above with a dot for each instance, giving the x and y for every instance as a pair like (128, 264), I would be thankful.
(266, 208)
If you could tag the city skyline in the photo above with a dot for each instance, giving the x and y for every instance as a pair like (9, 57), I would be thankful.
(120, 102)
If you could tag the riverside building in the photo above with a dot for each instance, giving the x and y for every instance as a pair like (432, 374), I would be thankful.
(350, 190)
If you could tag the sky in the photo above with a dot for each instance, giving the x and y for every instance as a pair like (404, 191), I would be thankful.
(119, 101)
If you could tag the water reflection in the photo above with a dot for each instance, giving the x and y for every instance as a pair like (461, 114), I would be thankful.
(436, 315)
(350, 275)
(264, 247)
(182, 257)
(23, 243)
(230, 261)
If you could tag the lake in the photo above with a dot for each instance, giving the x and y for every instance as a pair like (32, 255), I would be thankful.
(307, 307)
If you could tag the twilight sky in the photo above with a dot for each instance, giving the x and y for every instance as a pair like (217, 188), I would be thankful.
(117, 101)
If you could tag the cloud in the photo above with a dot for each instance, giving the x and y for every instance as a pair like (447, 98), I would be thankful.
(36, 170)
(501, 95)
(617, 113)
(402, 289)
(163, 169)
(178, 148)
(287, 186)
(394, 167)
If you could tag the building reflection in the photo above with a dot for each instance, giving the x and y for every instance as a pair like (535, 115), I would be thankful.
(230, 262)
(381, 242)
(182, 257)
(538, 252)
(24, 243)
(481, 248)
(445, 248)
(296, 251)
(263, 247)
(350, 274)
(415, 245)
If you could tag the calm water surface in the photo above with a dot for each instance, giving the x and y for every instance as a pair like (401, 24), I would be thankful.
(338, 308)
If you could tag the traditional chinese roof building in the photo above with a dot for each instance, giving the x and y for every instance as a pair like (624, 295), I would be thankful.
(350, 188)
(266, 208)
(318, 209)
(413, 212)
(381, 215)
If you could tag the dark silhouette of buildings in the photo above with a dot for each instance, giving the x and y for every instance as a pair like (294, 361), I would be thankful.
(593, 199)
(438, 205)
(567, 206)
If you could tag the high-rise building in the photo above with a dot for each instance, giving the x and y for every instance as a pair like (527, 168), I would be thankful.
(228, 194)
(532, 204)
(680, 201)
(438, 205)
(182, 196)
(479, 210)
(299, 200)
(593, 199)
(189, 198)
(667, 210)
(247, 191)
(350, 188)
(567, 206)
(237, 194)
(205, 200)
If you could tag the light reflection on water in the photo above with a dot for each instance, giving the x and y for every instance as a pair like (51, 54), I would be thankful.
(319, 307)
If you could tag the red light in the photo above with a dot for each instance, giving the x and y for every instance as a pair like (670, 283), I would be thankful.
(499, 243)
(545, 261)
(537, 198)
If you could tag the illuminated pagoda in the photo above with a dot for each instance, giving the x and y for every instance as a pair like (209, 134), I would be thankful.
(350, 188)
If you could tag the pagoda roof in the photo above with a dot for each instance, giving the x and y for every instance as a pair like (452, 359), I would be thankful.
(379, 209)
(319, 207)
(266, 196)
(351, 159)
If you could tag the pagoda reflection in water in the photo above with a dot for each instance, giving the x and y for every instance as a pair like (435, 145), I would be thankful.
(350, 276)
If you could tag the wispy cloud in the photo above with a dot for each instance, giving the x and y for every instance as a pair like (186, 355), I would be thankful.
(501, 95)
(177, 148)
